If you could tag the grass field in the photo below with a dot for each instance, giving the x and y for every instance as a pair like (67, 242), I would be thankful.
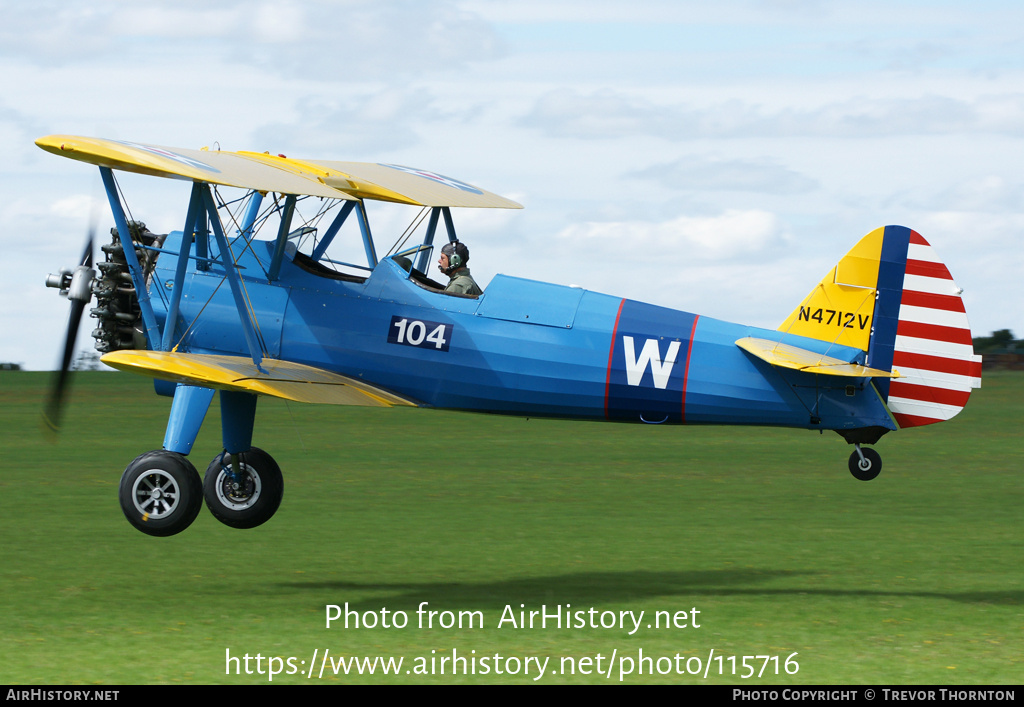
(913, 578)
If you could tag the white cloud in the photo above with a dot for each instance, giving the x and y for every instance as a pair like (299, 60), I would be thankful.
(360, 124)
(73, 207)
(991, 193)
(566, 112)
(649, 11)
(357, 41)
(337, 39)
(50, 32)
(179, 20)
(612, 114)
(279, 22)
(703, 173)
(734, 234)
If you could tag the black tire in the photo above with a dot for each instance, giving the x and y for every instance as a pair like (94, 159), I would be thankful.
(161, 493)
(869, 468)
(257, 495)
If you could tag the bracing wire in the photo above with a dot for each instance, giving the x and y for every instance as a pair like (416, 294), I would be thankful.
(409, 230)
(195, 319)
(257, 224)
(250, 309)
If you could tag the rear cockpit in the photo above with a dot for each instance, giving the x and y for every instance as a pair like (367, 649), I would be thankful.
(333, 252)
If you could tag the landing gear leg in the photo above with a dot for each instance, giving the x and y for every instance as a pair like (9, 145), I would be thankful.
(865, 464)
(243, 485)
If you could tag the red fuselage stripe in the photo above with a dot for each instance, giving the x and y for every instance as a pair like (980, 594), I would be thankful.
(686, 371)
(611, 356)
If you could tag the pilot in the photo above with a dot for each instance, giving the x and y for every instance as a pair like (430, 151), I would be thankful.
(452, 263)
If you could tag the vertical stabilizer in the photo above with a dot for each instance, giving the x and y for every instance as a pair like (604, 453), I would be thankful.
(892, 298)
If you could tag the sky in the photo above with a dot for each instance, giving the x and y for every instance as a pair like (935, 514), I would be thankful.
(718, 158)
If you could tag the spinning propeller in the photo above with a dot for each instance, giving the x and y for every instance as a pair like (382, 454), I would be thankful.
(76, 285)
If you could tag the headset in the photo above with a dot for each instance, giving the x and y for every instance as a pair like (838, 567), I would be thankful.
(455, 260)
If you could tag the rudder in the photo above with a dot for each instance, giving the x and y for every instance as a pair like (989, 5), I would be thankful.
(933, 350)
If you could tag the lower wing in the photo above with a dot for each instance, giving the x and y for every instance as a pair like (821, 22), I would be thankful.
(282, 379)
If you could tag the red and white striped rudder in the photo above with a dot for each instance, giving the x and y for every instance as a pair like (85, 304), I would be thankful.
(933, 351)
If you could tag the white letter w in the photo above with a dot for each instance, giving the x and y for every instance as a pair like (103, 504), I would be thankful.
(649, 354)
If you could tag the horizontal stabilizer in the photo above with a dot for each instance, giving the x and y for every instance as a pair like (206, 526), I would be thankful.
(787, 356)
(283, 379)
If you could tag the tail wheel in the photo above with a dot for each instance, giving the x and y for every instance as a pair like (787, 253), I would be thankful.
(161, 493)
(867, 468)
(247, 496)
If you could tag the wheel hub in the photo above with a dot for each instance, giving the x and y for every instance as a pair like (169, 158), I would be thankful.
(238, 493)
(155, 493)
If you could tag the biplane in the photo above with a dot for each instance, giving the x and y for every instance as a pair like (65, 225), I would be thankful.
(881, 343)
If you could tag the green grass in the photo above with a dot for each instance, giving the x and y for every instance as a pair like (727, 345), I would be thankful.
(912, 578)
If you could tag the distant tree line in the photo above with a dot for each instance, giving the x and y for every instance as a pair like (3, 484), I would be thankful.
(1000, 351)
(85, 361)
(88, 360)
(1001, 341)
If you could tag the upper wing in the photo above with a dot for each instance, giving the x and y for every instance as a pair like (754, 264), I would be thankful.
(274, 173)
(225, 168)
(787, 356)
(413, 186)
(283, 379)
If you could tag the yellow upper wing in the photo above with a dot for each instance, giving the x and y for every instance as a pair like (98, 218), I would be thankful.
(274, 173)
(283, 379)
(416, 186)
(225, 168)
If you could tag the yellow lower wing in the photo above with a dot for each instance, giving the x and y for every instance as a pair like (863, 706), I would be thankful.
(787, 356)
(283, 379)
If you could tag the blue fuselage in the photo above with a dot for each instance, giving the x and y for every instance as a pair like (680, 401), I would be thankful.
(521, 348)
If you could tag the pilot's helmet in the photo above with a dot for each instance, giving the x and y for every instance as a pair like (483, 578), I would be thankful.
(458, 254)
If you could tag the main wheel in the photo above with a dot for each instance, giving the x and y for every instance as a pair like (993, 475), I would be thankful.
(248, 497)
(161, 493)
(868, 468)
